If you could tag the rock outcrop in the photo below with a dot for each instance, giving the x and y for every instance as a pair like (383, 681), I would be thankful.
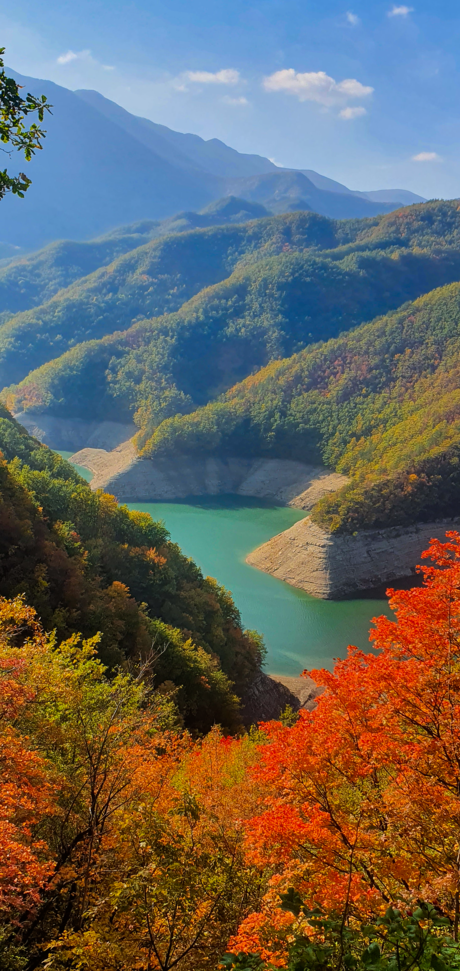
(129, 477)
(74, 433)
(268, 696)
(333, 567)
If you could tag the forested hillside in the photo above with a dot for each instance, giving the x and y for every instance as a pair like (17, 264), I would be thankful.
(28, 281)
(88, 565)
(150, 280)
(264, 291)
(296, 279)
(381, 404)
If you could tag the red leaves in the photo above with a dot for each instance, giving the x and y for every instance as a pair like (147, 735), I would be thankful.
(360, 800)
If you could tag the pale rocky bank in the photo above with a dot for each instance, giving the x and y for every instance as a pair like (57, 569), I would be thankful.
(106, 450)
(331, 566)
(268, 696)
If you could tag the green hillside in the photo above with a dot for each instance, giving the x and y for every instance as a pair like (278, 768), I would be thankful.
(266, 309)
(29, 281)
(162, 275)
(381, 404)
(150, 280)
(87, 564)
(377, 400)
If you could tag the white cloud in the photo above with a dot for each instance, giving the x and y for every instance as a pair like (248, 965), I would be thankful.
(226, 76)
(426, 157)
(349, 113)
(81, 56)
(402, 11)
(73, 56)
(234, 101)
(316, 86)
(353, 19)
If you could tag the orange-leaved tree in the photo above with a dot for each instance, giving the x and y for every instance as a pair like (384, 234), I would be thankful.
(26, 790)
(360, 799)
(121, 840)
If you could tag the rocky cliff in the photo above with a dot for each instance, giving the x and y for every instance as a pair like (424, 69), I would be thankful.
(332, 567)
(268, 696)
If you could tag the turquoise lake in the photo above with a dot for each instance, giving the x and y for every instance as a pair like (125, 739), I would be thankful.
(299, 631)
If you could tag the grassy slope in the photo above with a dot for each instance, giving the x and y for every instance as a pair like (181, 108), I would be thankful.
(381, 404)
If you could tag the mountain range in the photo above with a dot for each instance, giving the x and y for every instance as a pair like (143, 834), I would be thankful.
(102, 167)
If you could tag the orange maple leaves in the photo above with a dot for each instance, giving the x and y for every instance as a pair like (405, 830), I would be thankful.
(360, 800)
(152, 849)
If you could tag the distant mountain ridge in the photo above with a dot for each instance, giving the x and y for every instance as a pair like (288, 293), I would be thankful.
(103, 167)
(212, 157)
(402, 196)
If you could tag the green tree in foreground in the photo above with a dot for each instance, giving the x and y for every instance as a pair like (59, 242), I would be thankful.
(14, 109)
(417, 941)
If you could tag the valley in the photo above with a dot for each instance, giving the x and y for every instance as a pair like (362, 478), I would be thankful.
(229, 492)
(220, 533)
(289, 358)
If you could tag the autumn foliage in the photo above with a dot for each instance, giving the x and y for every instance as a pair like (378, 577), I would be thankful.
(120, 843)
(125, 844)
(360, 800)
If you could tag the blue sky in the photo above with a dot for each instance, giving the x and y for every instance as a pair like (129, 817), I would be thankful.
(365, 92)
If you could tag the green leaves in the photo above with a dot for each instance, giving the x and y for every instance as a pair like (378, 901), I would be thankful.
(241, 962)
(394, 941)
(292, 902)
(14, 133)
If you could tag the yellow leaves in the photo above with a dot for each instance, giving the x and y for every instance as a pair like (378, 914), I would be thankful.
(153, 557)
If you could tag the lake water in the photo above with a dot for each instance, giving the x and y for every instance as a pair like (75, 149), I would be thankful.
(299, 631)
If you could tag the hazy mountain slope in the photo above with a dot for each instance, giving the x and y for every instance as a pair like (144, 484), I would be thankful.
(93, 175)
(102, 166)
(29, 281)
(151, 280)
(402, 197)
(290, 190)
(380, 404)
(265, 310)
(184, 150)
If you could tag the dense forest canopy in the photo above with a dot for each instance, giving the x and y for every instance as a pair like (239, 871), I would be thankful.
(28, 281)
(152, 279)
(254, 303)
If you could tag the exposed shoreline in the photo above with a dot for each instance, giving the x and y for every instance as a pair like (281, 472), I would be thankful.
(333, 567)
(325, 565)
(107, 450)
